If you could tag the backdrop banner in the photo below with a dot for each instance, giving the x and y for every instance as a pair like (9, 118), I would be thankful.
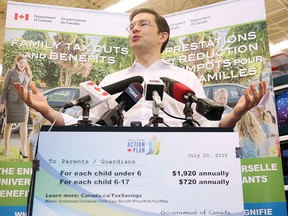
(224, 44)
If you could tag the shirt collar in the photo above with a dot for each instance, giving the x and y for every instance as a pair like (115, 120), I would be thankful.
(158, 63)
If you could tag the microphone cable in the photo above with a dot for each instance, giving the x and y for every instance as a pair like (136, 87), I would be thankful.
(53, 123)
(180, 118)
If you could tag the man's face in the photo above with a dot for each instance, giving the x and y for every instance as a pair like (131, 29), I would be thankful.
(143, 35)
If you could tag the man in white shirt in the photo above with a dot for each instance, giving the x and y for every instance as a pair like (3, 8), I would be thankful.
(148, 37)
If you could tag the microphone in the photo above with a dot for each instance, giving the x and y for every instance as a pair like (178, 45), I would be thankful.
(151, 86)
(126, 100)
(92, 93)
(129, 97)
(204, 106)
(122, 85)
(178, 91)
(154, 90)
(157, 100)
(77, 102)
(89, 92)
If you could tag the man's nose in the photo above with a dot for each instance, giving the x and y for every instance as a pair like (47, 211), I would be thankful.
(135, 28)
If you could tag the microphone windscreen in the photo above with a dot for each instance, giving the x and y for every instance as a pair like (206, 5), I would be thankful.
(131, 95)
(122, 85)
(179, 90)
(176, 89)
(139, 88)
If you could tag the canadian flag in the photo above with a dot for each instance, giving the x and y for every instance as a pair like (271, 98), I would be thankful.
(21, 16)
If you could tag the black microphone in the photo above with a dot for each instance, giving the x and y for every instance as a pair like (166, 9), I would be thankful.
(77, 102)
(152, 86)
(122, 85)
(129, 97)
(204, 106)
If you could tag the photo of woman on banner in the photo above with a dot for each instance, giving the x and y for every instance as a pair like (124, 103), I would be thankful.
(148, 36)
(16, 111)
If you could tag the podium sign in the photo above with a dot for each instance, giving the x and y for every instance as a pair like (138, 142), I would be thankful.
(143, 172)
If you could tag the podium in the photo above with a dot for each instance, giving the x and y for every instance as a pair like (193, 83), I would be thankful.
(136, 171)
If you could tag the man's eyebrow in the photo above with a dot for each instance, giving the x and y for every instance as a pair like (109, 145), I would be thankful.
(140, 20)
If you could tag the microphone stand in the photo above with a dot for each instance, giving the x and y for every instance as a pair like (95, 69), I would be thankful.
(85, 115)
(155, 119)
(188, 112)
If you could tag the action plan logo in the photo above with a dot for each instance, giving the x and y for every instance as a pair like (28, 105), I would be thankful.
(142, 146)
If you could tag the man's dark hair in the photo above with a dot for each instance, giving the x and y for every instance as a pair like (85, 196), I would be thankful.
(160, 21)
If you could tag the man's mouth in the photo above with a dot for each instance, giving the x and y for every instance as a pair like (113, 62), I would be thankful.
(135, 38)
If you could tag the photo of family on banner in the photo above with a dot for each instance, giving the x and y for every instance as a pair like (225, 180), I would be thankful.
(226, 51)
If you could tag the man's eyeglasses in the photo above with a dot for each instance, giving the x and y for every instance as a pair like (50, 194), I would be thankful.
(140, 23)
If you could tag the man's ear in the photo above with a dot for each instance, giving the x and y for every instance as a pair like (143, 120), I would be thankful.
(163, 36)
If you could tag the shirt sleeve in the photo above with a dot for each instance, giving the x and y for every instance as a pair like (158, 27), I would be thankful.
(69, 120)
